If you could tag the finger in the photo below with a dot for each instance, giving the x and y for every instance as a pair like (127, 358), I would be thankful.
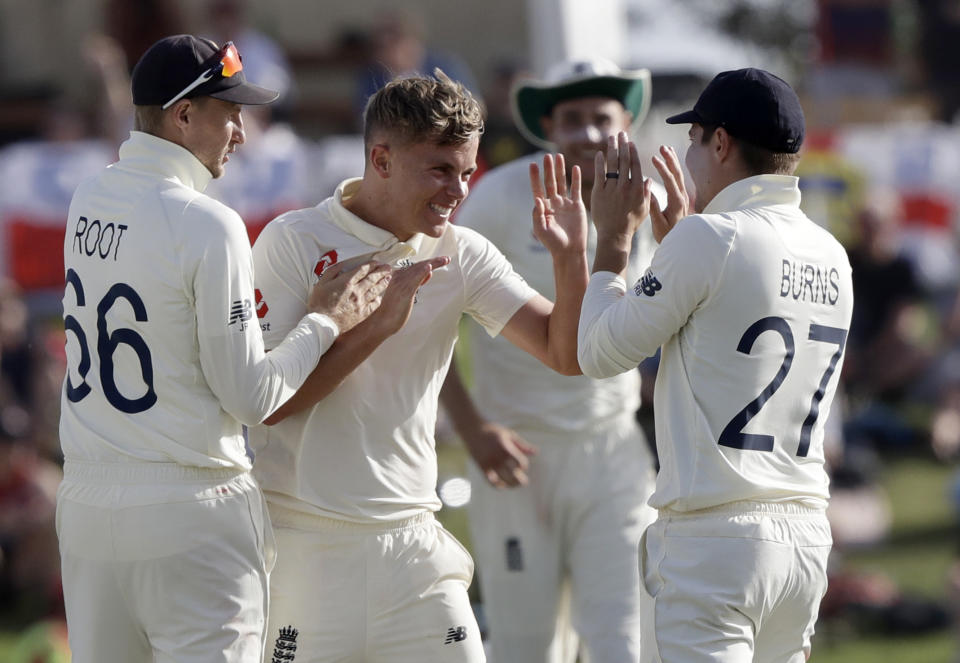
(561, 175)
(438, 261)
(673, 162)
(657, 220)
(669, 181)
(518, 478)
(359, 273)
(623, 158)
(549, 176)
(575, 185)
(536, 184)
(539, 215)
(673, 165)
(599, 172)
(527, 448)
(612, 158)
(330, 272)
(636, 169)
(511, 473)
(494, 478)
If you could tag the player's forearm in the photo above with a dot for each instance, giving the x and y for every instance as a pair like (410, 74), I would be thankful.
(613, 254)
(343, 357)
(571, 277)
(599, 352)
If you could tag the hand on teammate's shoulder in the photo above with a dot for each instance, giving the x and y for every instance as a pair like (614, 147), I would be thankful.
(349, 296)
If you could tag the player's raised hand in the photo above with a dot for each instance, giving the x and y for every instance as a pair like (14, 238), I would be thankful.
(501, 454)
(620, 199)
(559, 218)
(349, 295)
(401, 294)
(678, 202)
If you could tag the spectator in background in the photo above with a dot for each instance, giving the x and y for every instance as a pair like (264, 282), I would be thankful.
(890, 345)
(573, 514)
(29, 563)
(501, 141)
(398, 47)
(229, 20)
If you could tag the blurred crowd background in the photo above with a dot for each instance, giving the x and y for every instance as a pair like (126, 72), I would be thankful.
(880, 82)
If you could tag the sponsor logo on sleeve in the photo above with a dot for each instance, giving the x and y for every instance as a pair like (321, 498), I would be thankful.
(241, 311)
(455, 634)
(648, 285)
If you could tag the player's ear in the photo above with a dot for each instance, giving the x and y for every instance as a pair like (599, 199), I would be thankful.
(380, 157)
(181, 113)
(721, 144)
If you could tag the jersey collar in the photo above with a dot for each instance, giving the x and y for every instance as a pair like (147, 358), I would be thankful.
(149, 153)
(756, 191)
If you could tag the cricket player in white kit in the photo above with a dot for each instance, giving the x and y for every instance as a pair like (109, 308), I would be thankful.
(164, 538)
(365, 573)
(751, 303)
(557, 551)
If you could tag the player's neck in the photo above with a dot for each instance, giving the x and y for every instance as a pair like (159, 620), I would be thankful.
(373, 208)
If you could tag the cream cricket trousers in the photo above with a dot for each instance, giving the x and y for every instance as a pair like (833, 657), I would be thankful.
(163, 563)
(390, 592)
(557, 558)
(740, 583)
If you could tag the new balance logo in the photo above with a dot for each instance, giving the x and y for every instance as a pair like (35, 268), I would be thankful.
(240, 312)
(285, 648)
(648, 285)
(458, 634)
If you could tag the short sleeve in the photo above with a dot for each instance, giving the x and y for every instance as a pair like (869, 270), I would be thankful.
(281, 280)
(492, 289)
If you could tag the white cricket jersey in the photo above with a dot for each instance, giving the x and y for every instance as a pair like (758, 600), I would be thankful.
(366, 451)
(164, 356)
(751, 302)
(511, 386)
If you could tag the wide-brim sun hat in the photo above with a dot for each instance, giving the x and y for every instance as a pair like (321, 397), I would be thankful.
(532, 99)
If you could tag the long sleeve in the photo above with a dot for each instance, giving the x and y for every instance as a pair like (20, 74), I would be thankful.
(619, 328)
(249, 383)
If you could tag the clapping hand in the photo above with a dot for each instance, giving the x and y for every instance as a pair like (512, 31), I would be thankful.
(620, 199)
(559, 219)
(678, 202)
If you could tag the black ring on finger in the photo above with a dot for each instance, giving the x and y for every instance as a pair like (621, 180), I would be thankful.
(612, 175)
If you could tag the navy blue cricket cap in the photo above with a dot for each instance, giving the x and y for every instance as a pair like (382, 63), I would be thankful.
(752, 105)
(173, 63)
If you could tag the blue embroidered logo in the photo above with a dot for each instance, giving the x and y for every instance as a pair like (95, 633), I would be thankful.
(648, 285)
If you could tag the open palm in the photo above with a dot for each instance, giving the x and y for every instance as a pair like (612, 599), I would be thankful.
(559, 218)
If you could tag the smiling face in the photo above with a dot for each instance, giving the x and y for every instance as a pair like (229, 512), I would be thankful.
(214, 130)
(580, 127)
(424, 182)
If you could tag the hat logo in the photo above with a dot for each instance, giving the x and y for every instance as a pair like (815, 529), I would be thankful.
(581, 68)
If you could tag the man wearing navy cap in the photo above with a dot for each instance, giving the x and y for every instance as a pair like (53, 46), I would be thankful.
(164, 539)
(750, 302)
